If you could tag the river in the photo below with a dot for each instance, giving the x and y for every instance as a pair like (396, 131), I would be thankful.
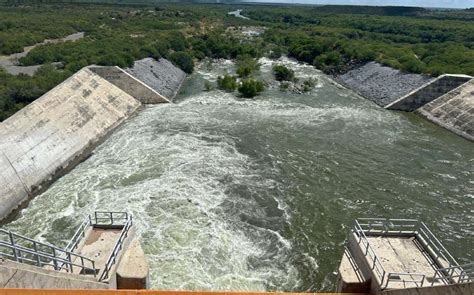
(259, 194)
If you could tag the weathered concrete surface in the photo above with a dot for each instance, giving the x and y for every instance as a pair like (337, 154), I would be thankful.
(428, 92)
(13, 191)
(457, 289)
(381, 84)
(129, 84)
(160, 75)
(19, 275)
(453, 111)
(350, 277)
(98, 245)
(133, 271)
(55, 132)
(364, 268)
(402, 255)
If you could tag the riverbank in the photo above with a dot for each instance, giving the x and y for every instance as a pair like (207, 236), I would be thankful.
(11, 63)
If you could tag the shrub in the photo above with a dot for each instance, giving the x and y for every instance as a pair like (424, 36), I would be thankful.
(227, 83)
(246, 65)
(207, 86)
(283, 73)
(250, 88)
(183, 60)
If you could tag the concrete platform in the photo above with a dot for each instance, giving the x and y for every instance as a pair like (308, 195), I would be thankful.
(403, 255)
(98, 245)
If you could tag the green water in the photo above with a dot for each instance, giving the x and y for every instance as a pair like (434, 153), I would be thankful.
(235, 194)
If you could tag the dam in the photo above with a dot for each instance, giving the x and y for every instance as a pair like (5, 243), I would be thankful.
(260, 195)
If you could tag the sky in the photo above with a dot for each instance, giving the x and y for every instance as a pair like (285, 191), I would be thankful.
(418, 3)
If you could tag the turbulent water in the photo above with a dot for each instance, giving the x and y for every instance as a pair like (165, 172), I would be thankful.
(237, 194)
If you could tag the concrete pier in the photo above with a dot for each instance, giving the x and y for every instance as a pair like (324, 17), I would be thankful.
(388, 255)
(104, 253)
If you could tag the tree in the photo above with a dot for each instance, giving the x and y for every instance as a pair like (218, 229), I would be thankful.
(183, 60)
(250, 88)
(227, 83)
(246, 65)
(283, 73)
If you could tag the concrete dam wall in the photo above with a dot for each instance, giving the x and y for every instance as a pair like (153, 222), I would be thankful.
(447, 101)
(57, 131)
(428, 92)
(453, 111)
(129, 84)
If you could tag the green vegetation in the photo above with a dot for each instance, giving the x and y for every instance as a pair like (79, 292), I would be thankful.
(227, 83)
(250, 88)
(246, 65)
(309, 84)
(208, 86)
(333, 38)
(182, 60)
(283, 73)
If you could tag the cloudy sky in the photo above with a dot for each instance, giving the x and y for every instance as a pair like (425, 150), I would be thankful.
(420, 3)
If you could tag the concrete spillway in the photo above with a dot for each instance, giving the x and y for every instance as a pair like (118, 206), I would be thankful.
(447, 101)
(58, 130)
(454, 110)
(428, 92)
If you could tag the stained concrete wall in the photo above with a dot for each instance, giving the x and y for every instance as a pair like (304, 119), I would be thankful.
(458, 289)
(161, 75)
(19, 275)
(453, 111)
(133, 271)
(129, 84)
(13, 192)
(55, 132)
(428, 92)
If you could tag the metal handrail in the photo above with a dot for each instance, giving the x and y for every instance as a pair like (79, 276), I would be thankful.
(449, 268)
(369, 251)
(79, 234)
(463, 274)
(397, 277)
(117, 247)
(60, 259)
(110, 217)
(65, 264)
(437, 248)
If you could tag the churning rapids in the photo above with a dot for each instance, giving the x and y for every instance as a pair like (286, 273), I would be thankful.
(236, 194)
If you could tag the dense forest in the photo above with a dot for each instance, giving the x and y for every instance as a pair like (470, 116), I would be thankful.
(332, 38)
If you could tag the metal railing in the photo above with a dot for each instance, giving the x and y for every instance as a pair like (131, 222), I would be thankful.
(382, 226)
(438, 252)
(416, 279)
(446, 267)
(369, 252)
(455, 274)
(110, 218)
(79, 234)
(127, 224)
(25, 250)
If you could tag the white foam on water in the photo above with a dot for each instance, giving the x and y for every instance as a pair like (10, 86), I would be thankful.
(174, 183)
(194, 185)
